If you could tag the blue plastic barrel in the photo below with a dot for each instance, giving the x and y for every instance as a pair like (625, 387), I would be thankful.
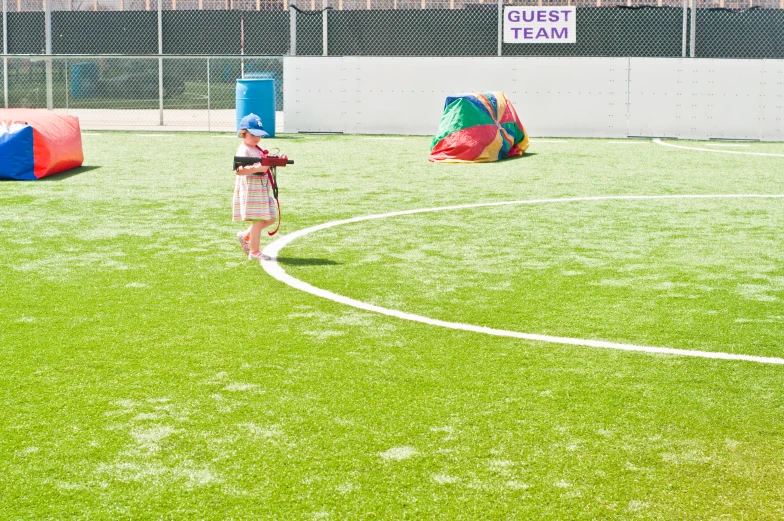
(84, 80)
(257, 96)
(268, 76)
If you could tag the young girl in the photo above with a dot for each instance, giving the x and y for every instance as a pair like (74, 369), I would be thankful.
(253, 200)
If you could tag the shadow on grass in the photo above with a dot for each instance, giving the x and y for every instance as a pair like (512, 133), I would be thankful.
(508, 160)
(62, 176)
(298, 261)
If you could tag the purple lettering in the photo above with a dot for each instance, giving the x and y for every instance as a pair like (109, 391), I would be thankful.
(516, 31)
(541, 16)
(566, 15)
(553, 16)
(528, 33)
(542, 33)
(513, 16)
(563, 34)
(525, 18)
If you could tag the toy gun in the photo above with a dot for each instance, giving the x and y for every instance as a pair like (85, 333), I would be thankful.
(272, 161)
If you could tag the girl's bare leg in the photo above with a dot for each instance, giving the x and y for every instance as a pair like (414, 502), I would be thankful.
(255, 234)
(267, 223)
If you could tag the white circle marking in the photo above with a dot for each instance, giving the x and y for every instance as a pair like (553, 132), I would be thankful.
(658, 141)
(271, 266)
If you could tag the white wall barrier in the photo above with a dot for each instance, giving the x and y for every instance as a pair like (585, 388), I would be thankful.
(562, 97)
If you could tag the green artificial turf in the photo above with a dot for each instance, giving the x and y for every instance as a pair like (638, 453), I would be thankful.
(149, 371)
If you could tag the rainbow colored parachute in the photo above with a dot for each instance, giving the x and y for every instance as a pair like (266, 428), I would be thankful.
(478, 128)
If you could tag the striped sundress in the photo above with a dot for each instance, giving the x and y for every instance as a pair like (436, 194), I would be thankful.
(253, 200)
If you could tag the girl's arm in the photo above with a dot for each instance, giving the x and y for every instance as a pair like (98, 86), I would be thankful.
(252, 169)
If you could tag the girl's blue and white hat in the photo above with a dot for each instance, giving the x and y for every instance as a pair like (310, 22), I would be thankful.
(252, 123)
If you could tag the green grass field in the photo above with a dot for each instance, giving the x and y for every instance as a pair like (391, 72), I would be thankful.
(149, 371)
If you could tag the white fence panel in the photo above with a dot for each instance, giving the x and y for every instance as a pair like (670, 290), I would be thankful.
(656, 98)
(553, 96)
(406, 95)
(706, 99)
(722, 99)
(772, 109)
(314, 94)
(567, 97)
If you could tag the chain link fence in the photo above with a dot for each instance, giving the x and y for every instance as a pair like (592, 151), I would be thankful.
(119, 92)
(176, 63)
(723, 28)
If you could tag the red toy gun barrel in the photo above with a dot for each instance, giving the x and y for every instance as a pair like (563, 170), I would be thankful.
(276, 161)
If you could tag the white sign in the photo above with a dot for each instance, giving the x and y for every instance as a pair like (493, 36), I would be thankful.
(540, 24)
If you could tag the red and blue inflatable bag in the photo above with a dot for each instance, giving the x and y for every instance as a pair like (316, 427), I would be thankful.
(36, 143)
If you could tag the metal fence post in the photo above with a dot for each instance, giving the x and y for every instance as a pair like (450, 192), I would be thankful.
(208, 94)
(693, 28)
(293, 27)
(160, 62)
(66, 84)
(324, 27)
(685, 27)
(5, 51)
(48, 61)
(500, 25)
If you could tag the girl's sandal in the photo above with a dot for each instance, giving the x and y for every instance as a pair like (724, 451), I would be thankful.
(243, 242)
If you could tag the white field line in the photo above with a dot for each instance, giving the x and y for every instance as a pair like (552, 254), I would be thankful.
(660, 142)
(383, 138)
(627, 142)
(272, 267)
(547, 141)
